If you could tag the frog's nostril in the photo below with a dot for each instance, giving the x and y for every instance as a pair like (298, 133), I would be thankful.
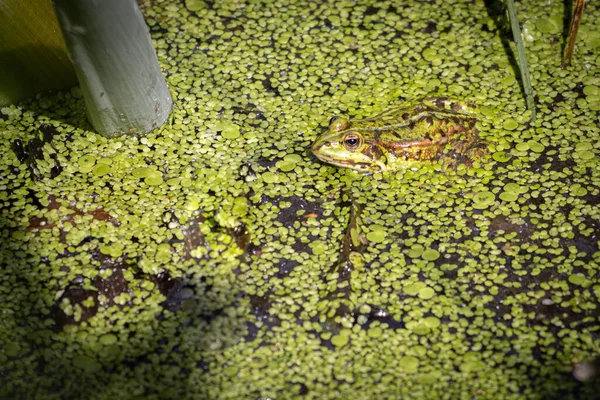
(327, 144)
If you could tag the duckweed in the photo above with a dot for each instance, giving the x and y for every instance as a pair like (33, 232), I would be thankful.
(430, 254)
(101, 169)
(536, 147)
(510, 125)
(377, 236)
(409, 364)
(577, 279)
(426, 293)
(340, 340)
(483, 199)
(86, 162)
(217, 258)
(153, 178)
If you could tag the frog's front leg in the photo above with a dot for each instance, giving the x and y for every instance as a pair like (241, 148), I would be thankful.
(464, 151)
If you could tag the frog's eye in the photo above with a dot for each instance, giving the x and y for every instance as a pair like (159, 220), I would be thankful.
(339, 124)
(352, 142)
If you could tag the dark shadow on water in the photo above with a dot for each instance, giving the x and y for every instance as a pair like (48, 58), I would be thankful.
(29, 70)
(148, 352)
(52, 81)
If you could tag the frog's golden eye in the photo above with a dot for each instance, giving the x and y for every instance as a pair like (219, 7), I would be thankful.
(352, 142)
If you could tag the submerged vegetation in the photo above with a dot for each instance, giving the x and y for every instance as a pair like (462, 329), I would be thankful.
(218, 258)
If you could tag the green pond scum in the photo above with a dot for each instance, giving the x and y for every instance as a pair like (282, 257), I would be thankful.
(217, 258)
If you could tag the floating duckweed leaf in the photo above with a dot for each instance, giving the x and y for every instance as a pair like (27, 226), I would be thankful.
(111, 250)
(101, 170)
(592, 39)
(86, 363)
(429, 54)
(513, 187)
(591, 90)
(432, 322)
(286, 166)
(240, 206)
(153, 178)
(578, 190)
(430, 254)
(536, 147)
(193, 203)
(420, 329)
(501, 156)
(228, 129)
(11, 349)
(585, 155)
(430, 378)
(108, 339)
(414, 288)
(594, 105)
(551, 25)
(471, 363)
(163, 248)
(487, 111)
(195, 5)
(272, 230)
(448, 267)
(295, 158)
(318, 247)
(426, 293)
(510, 125)
(348, 97)
(409, 363)
(508, 196)
(483, 199)
(105, 160)
(340, 339)
(173, 181)
(582, 146)
(270, 177)
(375, 332)
(376, 236)
(415, 251)
(577, 279)
(476, 69)
(18, 235)
(523, 146)
(511, 192)
(140, 172)
(230, 370)
(86, 163)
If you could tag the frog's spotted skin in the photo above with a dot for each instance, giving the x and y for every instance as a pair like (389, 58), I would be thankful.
(399, 137)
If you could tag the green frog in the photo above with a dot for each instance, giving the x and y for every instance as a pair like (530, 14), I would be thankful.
(402, 137)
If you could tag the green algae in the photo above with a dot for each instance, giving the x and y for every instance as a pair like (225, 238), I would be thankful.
(208, 258)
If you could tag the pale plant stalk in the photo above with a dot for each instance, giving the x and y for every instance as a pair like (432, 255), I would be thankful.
(110, 46)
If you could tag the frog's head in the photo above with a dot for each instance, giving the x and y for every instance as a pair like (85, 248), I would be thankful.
(344, 147)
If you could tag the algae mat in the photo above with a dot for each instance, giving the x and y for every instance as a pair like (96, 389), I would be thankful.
(217, 258)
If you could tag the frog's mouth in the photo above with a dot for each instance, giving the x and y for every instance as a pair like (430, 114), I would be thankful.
(355, 165)
(362, 166)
